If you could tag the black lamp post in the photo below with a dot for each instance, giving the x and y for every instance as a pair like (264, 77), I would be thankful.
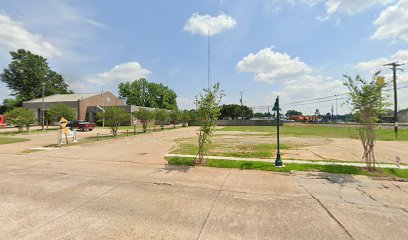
(278, 161)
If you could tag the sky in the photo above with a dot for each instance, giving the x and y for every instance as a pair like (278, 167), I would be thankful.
(298, 50)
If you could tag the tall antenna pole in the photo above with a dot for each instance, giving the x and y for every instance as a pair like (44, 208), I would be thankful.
(240, 100)
(209, 63)
(394, 69)
(337, 116)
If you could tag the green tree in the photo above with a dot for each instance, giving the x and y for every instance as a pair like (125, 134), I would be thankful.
(61, 110)
(9, 104)
(175, 116)
(208, 112)
(162, 116)
(235, 111)
(147, 94)
(291, 113)
(368, 104)
(114, 117)
(145, 116)
(262, 115)
(21, 117)
(185, 116)
(27, 72)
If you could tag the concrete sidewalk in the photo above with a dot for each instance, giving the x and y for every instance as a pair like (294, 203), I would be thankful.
(121, 189)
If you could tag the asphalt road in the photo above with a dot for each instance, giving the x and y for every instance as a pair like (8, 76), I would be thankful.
(122, 189)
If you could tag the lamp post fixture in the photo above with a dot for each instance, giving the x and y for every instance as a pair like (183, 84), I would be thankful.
(43, 107)
(278, 161)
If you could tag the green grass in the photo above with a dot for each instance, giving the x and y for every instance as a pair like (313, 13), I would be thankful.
(313, 130)
(262, 150)
(24, 132)
(8, 140)
(268, 166)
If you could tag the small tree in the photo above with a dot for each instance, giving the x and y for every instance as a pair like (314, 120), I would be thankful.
(175, 116)
(144, 116)
(162, 116)
(61, 110)
(21, 117)
(185, 117)
(114, 117)
(208, 111)
(368, 104)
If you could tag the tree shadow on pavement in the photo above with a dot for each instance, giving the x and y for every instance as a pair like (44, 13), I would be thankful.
(175, 168)
(338, 178)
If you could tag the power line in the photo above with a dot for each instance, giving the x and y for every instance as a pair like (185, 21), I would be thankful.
(302, 104)
(312, 99)
(306, 100)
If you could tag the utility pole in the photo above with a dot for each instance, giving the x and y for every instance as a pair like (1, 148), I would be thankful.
(394, 68)
(337, 116)
(209, 63)
(103, 107)
(332, 111)
(43, 107)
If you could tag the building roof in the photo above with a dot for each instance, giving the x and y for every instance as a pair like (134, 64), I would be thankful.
(64, 97)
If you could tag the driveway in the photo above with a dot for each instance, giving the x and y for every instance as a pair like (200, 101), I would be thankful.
(122, 189)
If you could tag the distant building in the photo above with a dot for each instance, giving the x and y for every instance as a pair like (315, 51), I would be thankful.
(403, 116)
(83, 104)
(389, 116)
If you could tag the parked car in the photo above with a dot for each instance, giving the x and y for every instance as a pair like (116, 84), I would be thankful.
(81, 125)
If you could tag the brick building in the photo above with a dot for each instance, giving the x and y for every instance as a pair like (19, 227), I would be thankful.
(81, 103)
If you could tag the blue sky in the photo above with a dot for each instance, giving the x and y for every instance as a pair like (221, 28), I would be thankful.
(297, 49)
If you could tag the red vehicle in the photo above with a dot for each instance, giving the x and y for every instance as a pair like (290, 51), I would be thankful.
(3, 121)
(81, 125)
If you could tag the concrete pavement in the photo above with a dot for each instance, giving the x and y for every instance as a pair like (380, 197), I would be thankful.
(121, 189)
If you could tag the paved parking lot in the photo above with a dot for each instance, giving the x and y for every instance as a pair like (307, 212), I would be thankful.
(122, 189)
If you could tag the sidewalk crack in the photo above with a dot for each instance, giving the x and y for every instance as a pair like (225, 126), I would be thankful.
(328, 212)
(212, 206)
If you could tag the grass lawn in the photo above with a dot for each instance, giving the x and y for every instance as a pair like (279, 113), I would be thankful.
(24, 132)
(261, 150)
(313, 130)
(8, 140)
(267, 166)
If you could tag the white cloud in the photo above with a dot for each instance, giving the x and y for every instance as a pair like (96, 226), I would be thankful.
(377, 64)
(352, 7)
(334, 8)
(311, 87)
(120, 73)
(371, 66)
(295, 76)
(270, 66)
(13, 36)
(185, 103)
(393, 22)
(201, 24)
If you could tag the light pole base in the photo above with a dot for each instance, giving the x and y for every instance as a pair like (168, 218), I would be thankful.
(278, 161)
